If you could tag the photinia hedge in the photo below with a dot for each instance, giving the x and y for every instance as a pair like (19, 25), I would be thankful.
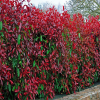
(83, 50)
(46, 53)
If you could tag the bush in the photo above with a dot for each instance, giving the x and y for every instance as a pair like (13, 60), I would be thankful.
(43, 54)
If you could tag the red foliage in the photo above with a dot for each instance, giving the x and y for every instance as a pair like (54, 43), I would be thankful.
(33, 41)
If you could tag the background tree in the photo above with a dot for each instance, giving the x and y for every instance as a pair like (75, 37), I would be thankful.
(85, 7)
(44, 6)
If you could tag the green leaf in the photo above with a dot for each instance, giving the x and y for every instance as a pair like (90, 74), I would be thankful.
(71, 66)
(18, 56)
(22, 39)
(37, 67)
(80, 88)
(59, 89)
(34, 63)
(49, 44)
(22, 79)
(29, 31)
(32, 28)
(6, 30)
(38, 91)
(82, 58)
(60, 54)
(81, 39)
(41, 47)
(37, 38)
(42, 87)
(13, 88)
(44, 56)
(0, 25)
(97, 39)
(42, 95)
(9, 58)
(18, 72)
(68, 35)
(96, 74)
(41, 38)
(5, 86)
(90, 80)
(56, 80)
(79, 35)
(70, 84)
(58, 62)
(69, 76)
(47, 76)
(78, 68)
(45, 41)
(47, 51)
(9, 87)
(16, 85)
(5, 21)
(17, 27)
(71, 44)
(2, 34)
(20, 62)
(14, 62)
(25, 97)
(52, 47)
(68, 44)
(62, 34)
(70, 52)
(96, 77)
(18, 40)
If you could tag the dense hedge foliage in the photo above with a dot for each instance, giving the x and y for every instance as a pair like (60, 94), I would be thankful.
(43, 54)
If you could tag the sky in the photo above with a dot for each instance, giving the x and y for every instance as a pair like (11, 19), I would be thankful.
(53, 2)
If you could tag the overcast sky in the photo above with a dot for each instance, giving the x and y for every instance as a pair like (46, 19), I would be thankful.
(53, 2)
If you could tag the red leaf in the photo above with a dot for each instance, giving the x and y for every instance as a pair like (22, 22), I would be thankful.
(63, 8)
(47, 98)
(11, 82)
(19, 94)
(16, 90)
(0, 66)
(28, 0)
(20, 27)
(8, 68)
(30, 96)
(74, 45)
(1, 97)
(25, 93)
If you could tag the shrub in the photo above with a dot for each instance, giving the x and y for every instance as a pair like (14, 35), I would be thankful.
(45, 53)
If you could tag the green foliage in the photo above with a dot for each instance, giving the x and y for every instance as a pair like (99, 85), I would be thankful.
(0, 25)
(34, 63)
(18, 40)
(58, 86)
(40, 88)
(96, 77)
